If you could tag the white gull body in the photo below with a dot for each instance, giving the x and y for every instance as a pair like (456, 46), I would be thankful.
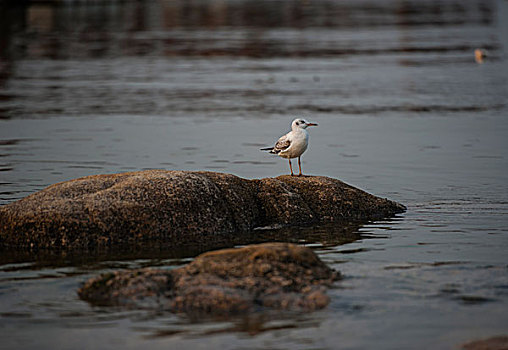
(293, 144)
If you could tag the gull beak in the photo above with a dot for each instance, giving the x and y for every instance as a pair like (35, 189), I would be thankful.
(312, 124)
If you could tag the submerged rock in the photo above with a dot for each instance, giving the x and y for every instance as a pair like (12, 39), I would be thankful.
(174, 207)
(229, 281)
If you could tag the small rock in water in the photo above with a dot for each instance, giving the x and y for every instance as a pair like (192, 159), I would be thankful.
(223, 282)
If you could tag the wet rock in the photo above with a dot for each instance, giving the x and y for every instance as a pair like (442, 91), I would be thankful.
(298, 201)
(174, 207)
(229, 281)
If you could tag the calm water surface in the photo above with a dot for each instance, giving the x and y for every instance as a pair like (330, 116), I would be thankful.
(404, 112)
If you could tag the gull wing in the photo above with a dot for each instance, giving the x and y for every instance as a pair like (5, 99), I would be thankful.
(282, 144)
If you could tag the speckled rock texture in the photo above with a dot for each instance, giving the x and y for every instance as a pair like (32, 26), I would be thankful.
(223, 282)
(173, 207)
(494, 343)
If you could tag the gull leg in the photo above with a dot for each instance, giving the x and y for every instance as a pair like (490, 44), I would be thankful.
(291, 167)
(300, 167)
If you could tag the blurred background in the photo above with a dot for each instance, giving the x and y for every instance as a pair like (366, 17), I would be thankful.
(405, 107)
(105, 86)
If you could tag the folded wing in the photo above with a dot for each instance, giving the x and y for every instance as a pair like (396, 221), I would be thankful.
(282, 144)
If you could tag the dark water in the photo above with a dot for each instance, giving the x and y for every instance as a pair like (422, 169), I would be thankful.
(404, 110)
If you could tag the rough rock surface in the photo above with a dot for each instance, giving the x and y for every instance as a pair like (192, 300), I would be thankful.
(494, 343)
(172, 207)
(229, 281)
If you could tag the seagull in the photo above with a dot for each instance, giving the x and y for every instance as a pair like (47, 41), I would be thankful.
(293, 144)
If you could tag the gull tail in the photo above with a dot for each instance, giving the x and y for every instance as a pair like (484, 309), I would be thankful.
(270, 150)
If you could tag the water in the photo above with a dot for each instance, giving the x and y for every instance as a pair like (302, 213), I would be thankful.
(404, 111)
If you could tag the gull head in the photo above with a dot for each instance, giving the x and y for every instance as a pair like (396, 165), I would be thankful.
(301, 124)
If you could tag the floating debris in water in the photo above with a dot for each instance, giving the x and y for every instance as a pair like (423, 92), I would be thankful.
(479, 55)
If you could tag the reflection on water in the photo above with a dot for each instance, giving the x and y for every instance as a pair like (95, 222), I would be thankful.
(230, 58)
(312, 236)
(404, 110)
(232, 28)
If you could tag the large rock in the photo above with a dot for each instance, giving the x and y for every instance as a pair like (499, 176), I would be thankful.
(174, 207)
(230, 281)
(494, 343)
